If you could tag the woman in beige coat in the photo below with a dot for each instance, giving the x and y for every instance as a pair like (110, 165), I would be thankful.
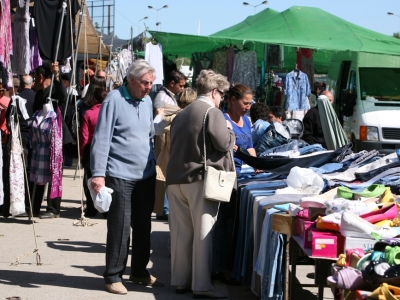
(191, 216)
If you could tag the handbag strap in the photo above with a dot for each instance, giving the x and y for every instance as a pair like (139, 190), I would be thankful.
(204, 141)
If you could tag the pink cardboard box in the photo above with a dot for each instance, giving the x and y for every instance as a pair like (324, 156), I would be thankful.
(302, 225)
(324, 244)
(307, 227)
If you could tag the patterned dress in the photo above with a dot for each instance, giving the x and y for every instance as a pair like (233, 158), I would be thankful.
(41, 139)
(17, 186)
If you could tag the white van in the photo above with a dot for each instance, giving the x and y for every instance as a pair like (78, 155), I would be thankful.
(366, 88)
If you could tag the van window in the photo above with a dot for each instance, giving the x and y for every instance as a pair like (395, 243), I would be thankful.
(381, 83)
(352, 82)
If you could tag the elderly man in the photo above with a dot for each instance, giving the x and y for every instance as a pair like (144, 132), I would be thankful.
(27, 93)
(312, 124)
(122, 159)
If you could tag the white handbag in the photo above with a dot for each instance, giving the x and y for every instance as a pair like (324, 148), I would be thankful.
(218, 185)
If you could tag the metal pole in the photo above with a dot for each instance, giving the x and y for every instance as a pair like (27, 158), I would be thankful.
(64, 6)
(131, 41)
(73, 79)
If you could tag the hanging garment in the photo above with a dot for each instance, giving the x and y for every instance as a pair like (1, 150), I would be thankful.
(305, 63)
(245, 69)
(219, 62)
(21, 59)
(17, 179)
(41, 139)
(274, 56)
(154, 57)
(56, 157)
(47, 14)
(200, 61)
(36, 60)
(230, 61)
(5, 32)
(1, 177)
(297, 88)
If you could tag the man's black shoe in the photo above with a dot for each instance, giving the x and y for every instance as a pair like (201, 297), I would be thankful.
(49, 215)
(163, 217)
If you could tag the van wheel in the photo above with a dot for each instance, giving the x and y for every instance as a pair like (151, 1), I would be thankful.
(353, 140)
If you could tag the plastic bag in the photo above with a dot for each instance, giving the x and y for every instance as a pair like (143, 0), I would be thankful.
(102, 200)
(305, 180)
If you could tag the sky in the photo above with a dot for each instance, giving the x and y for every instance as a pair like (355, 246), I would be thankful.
(215, 15)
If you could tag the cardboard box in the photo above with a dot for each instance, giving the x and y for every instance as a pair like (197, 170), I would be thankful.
(302, 225)
(324, 244)
(307, 237)
(284, 224)
(351, 243)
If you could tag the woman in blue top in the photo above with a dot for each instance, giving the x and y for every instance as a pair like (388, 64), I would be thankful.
(239, 98)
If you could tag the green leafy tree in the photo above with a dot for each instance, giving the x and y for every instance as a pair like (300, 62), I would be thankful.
(396, 35)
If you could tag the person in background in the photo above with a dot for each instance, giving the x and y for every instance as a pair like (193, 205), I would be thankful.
(313, 133)
(88, 125)
(66, 78)
(84, 105)
(43, 76)
(276, 134)
(101, 74)
(89, 74)
(276, 114)
(191, 217)
(259, 119)
(239, 99)
(4, 103)
(314, 94)
(162, 122)
(27, 93)
(174, 84)
(122, 158)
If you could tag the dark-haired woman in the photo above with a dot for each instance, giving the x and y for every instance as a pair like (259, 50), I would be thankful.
(88, 125)
(238, 98)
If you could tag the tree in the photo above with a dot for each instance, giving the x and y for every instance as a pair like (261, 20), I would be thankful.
(396, 35)
(96, 25)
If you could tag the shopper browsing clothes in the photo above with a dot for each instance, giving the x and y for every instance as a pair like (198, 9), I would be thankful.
(46, 139)
(122, 159)
(191, 216)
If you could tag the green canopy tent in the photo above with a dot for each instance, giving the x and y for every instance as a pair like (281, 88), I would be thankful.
(298, 26)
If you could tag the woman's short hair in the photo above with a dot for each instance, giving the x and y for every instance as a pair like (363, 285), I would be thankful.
(238, 91)
(209, 80)
(96, 82)
(187, 96)
(140, 67)
(259, 111)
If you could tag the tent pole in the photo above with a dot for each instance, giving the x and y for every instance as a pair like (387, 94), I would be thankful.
(64, 11)
(75, 58)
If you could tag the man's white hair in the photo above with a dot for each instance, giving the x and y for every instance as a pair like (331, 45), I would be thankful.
(140, 67)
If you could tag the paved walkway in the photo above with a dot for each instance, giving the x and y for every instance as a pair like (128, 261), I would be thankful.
(73, 258)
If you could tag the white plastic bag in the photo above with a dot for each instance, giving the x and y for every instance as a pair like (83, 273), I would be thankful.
(305, 180)
(102, 200)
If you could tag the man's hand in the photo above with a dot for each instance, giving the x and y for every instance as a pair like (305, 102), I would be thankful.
(55, 69)
(98, 183)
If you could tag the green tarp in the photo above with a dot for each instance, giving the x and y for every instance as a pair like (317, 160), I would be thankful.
(298, 26)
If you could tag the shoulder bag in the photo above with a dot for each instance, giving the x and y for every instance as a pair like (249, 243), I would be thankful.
(218, 185)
